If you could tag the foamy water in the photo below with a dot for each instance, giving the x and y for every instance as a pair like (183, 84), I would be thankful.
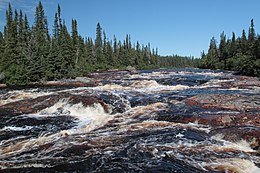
(146, 86)
(13, 96)
(142, 125)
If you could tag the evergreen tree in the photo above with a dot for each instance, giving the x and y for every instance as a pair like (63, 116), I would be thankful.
(104, 48)
(223, 52)
(90, 54)
(42, 39)
(10, 58)
(56, 27)
(243, 44)
(251, 33)
(115, 52)
(241, 54)
(82, 66)
(31, 54)
(75, 40)
(110, 56)
(98, 45)
(65, 56)
(2, 43)
(233, 46)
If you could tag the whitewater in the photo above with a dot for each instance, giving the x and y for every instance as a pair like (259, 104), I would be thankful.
(165, 120)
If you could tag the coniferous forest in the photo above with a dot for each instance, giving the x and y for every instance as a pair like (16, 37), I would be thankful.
(33, 53)
(241, 54)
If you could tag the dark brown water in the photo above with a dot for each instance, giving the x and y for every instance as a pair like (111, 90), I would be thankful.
(182, 120)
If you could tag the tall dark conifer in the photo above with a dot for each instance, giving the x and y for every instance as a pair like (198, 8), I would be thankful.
(75, 41)
(223, 52)
(42, 39)
(98, 45)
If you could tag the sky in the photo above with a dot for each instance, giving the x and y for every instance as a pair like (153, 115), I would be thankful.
(182, 27)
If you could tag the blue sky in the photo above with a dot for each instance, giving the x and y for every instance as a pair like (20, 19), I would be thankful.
(181, 27)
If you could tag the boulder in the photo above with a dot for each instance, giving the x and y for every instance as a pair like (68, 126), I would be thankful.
(85, 80)
(131, 69)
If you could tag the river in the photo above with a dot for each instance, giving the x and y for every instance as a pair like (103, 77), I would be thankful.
(165, 120)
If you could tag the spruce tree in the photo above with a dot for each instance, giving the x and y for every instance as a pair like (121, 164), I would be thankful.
(38, 68)
(104, 48)
(98, 45)
(251, 33)
(67, 63)
(11, 56)
(75, 40)
(56, 27)
(90, 53)
(223, 52)
(233, 46)
(115, 52)
(81, 68)
(110, 56)
(243, 44)
(1, 56)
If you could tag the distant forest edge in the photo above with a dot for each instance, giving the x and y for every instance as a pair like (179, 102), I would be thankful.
(241, 54)
(32, 54)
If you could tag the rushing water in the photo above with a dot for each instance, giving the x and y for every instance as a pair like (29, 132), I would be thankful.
(141, 122)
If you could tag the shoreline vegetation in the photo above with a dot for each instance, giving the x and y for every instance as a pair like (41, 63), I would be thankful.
(31, 54)
(241, 54)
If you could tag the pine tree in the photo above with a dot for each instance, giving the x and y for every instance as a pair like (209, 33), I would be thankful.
(243, 44)
(42, 39)
(110, 56)
(233, 46)
(82, 66)
(31, 54)
(223, 52)
(104, 48)
(98, 45)
(212, 54)
(66, 54)
(115, 52)
(232, 51)
(139, 58)
(257, 57)
(251, 33)
(56, 27)
(90, 53)
(1, 56)
(11, 59)
(75, 40)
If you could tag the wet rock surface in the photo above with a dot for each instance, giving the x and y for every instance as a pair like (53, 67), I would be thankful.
(29, 106)
(168, 120)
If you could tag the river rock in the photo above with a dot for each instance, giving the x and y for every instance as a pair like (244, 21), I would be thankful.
(242, 82)
(78, 82)
(85, 80)
(225, 101)
(131, 69)
(30, 106)
(237, 133)
(244, 109)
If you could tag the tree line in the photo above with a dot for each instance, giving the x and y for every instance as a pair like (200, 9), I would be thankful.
(32, 54)
(240, 54)
(176, 61)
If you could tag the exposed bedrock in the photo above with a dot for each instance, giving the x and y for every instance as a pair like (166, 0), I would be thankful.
(227, 102)
(30, 106)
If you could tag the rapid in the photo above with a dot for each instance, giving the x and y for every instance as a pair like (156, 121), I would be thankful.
(165, 120)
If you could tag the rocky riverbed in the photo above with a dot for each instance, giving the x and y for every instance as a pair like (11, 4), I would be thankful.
(167, 120)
